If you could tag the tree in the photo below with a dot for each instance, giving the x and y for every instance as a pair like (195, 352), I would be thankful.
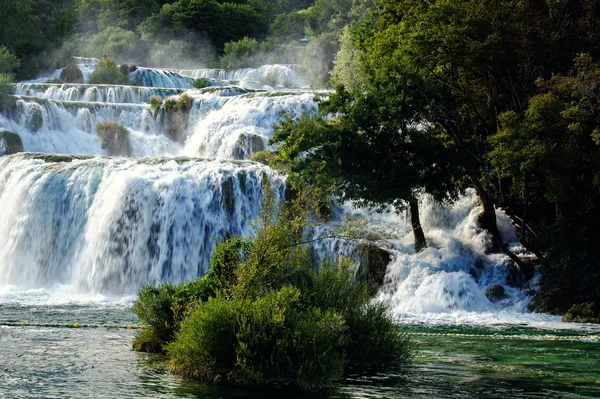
(373, 151)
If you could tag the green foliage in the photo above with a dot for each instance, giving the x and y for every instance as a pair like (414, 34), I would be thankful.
(179, 105)
(339, 155)
(201, 83)
(161, 309)
(7, 91)
(114, 42)
(8, 61)
(241, 53)
(107, 72)
(155, 103)
(36, 32)
(273, 317)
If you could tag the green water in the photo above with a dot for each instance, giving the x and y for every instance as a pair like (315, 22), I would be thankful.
(42, 362)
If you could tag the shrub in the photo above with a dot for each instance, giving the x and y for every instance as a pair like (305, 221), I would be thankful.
(7, 91)
(8, 61)
(201, 83)
(155, 103)
(114, 138)
(107, 72)
(162, 309)
(264, 157)
(270, 316)
(241, 53)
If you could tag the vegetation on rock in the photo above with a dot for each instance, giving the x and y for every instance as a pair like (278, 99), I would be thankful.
(114, 138)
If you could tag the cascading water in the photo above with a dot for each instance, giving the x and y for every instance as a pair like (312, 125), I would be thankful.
(110, 225)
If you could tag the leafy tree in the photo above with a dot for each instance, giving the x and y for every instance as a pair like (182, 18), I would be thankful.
(551, 155)
(373, 151)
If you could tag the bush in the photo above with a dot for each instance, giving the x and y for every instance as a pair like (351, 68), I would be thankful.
(114, 138)
(241, 54)
(201, 83)
(270, 316)
(155, 103)
(7, 91)
(270, 79)
(8, 61)
(161, 309)
(107, 72)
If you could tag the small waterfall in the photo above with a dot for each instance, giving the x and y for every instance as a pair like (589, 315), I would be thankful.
(93, 93)
(267, 76)
(154, 77)
(236, 127)
(112, 225)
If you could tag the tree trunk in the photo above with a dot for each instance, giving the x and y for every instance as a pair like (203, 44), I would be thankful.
(487, 221)
(415, 222)
(487, 218)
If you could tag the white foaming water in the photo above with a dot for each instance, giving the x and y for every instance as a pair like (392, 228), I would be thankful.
(266, 76)
(94, 93)
(237, 127)
(68, 127)
(445, 282)
(154, 77)
(108, 226)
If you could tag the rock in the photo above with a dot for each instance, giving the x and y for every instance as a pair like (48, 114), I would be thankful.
(551, 302)
(36, 118)
(582, 313)
(228, 195)
(247, 145)
(114, 138)
(495, 293)
(71, 74)
(10, 143)
(373, 265)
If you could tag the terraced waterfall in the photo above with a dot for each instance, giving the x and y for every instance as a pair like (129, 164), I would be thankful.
(82, 230)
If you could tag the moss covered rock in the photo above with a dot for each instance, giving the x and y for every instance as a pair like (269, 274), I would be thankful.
(495, 293)
(10, 143)
(373, 265)
(114, 138)
(583, 313)
(177, 112)
(71, 74)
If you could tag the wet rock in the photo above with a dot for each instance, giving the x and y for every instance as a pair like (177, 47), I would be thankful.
(247, 145)
(228, 193)
(373, 265)
(10, 143)
(71, 74)
(495, 293)
(36, 118)
(583, 313)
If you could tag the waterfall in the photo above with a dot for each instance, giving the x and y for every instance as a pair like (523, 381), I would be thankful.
(93, 93)
(111, 225)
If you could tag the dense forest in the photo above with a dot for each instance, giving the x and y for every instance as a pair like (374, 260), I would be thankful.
(430, 97)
